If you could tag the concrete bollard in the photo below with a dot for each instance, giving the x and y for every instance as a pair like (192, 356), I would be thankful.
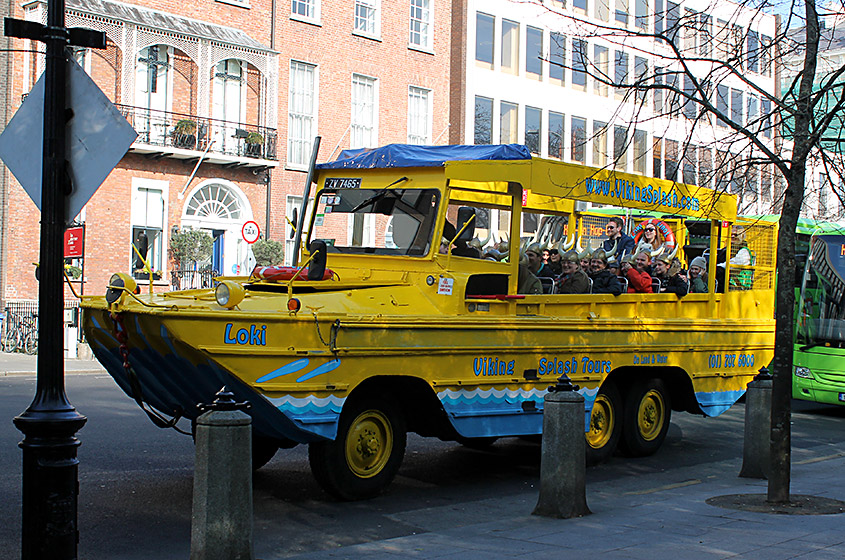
(221, 526)
(563, 492)
(758, 427)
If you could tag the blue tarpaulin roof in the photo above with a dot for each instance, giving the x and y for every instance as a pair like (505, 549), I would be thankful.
(410, 155)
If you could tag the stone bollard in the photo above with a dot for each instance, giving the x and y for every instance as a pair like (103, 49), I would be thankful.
(563, 492)
(221, 526)
(758, 427)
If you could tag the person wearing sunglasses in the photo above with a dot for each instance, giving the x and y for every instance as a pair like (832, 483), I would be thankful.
(616, 237)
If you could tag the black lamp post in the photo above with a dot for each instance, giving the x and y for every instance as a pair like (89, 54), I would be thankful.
(49, 425)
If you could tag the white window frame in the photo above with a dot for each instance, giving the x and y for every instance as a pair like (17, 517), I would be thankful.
(423, 37)
(419, 115)
(299, 147)
(139, 217)
(373, 20)
(364, 118)
(312, 10)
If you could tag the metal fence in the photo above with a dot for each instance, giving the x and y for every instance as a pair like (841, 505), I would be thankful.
(189, 132)
(19, 324)
(192, 279)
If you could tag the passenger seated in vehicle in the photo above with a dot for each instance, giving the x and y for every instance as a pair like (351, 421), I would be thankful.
(573, 280)
(534, 256)
(667, 272)
(604, 281)
(526, 282)
(460, 248)
(555, 264)
(698, 275)
(636, 271)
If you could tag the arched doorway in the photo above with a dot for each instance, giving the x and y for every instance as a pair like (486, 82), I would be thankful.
(221, 208)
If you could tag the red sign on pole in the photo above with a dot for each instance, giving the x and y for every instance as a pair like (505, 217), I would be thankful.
(73, 242)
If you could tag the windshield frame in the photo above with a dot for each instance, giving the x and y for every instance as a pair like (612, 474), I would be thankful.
(422, 244)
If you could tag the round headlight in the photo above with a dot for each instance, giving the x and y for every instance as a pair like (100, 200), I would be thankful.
(118, 283)
(229, 294)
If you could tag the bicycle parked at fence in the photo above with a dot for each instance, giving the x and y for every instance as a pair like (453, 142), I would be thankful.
(20, 333)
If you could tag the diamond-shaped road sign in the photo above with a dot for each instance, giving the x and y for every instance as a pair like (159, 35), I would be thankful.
(97, 138)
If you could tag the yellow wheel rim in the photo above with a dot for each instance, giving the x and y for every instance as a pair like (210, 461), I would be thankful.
(602, 421)
(369, 443)
(651, 415)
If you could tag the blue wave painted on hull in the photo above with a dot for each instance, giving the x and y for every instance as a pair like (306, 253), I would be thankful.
(500, 413)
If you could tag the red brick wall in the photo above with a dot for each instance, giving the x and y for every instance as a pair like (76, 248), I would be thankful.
(330, 45)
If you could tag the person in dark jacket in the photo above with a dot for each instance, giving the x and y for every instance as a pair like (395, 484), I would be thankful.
(617, 237)
(670, 281)
(555, 263)
(604, 281)
(574, 280)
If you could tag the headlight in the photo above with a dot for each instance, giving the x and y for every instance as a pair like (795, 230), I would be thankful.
(803, 372)
(229, 294)
(118, 283)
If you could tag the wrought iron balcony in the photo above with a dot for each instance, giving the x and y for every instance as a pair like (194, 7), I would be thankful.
(181, 136)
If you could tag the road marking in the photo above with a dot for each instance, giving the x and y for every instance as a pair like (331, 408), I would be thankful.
(662, 488)
(819, 459)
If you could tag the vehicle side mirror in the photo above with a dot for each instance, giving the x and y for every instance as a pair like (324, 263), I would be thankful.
(295, 221)
(466, 215)
(317, 267)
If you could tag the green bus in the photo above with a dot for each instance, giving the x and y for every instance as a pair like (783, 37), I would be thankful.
(819, 355)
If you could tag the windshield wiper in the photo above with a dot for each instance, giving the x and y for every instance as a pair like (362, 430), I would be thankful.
(379, 194)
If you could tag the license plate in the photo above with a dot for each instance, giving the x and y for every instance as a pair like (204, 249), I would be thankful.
(841, 397)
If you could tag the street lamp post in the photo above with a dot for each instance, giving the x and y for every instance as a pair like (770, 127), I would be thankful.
(49, 425)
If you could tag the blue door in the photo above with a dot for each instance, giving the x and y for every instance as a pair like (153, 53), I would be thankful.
(217, 253)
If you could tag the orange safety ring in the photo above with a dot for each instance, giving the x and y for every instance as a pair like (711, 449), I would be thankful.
(662, 227)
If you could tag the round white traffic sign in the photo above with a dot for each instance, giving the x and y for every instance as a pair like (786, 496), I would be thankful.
(250, 232)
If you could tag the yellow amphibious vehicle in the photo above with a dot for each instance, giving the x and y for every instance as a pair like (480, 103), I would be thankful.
(398, 323)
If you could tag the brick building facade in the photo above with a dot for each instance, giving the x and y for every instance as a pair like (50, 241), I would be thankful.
(226, 98)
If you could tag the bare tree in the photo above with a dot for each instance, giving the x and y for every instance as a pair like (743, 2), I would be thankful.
(699, 61)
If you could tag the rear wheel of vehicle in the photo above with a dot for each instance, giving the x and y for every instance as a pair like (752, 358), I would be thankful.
(648, 410)
(605, 424)
(362, 461)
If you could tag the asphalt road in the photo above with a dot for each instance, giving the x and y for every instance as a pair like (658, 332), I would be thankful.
(136, 480)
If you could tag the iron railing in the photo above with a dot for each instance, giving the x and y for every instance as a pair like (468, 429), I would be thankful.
(192, 279)
(190, 132)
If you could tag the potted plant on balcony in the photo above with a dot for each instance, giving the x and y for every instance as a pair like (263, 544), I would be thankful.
(184, 134)
(254, 144)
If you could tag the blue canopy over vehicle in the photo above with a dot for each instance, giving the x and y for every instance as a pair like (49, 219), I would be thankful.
(410, 155)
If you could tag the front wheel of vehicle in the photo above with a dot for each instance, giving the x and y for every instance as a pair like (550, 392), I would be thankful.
(605, 424)
(366, 454)
(647, 412)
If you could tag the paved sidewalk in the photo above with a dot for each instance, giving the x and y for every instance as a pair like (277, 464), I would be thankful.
(671, 522)
(22, 364)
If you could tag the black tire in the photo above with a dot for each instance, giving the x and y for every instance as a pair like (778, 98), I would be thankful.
(31, 344)
(362, 461)
(263, 449)
(648, 409)
(605, 424)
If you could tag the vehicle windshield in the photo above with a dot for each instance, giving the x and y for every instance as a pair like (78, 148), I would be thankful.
(821, 305)
(378, 221)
